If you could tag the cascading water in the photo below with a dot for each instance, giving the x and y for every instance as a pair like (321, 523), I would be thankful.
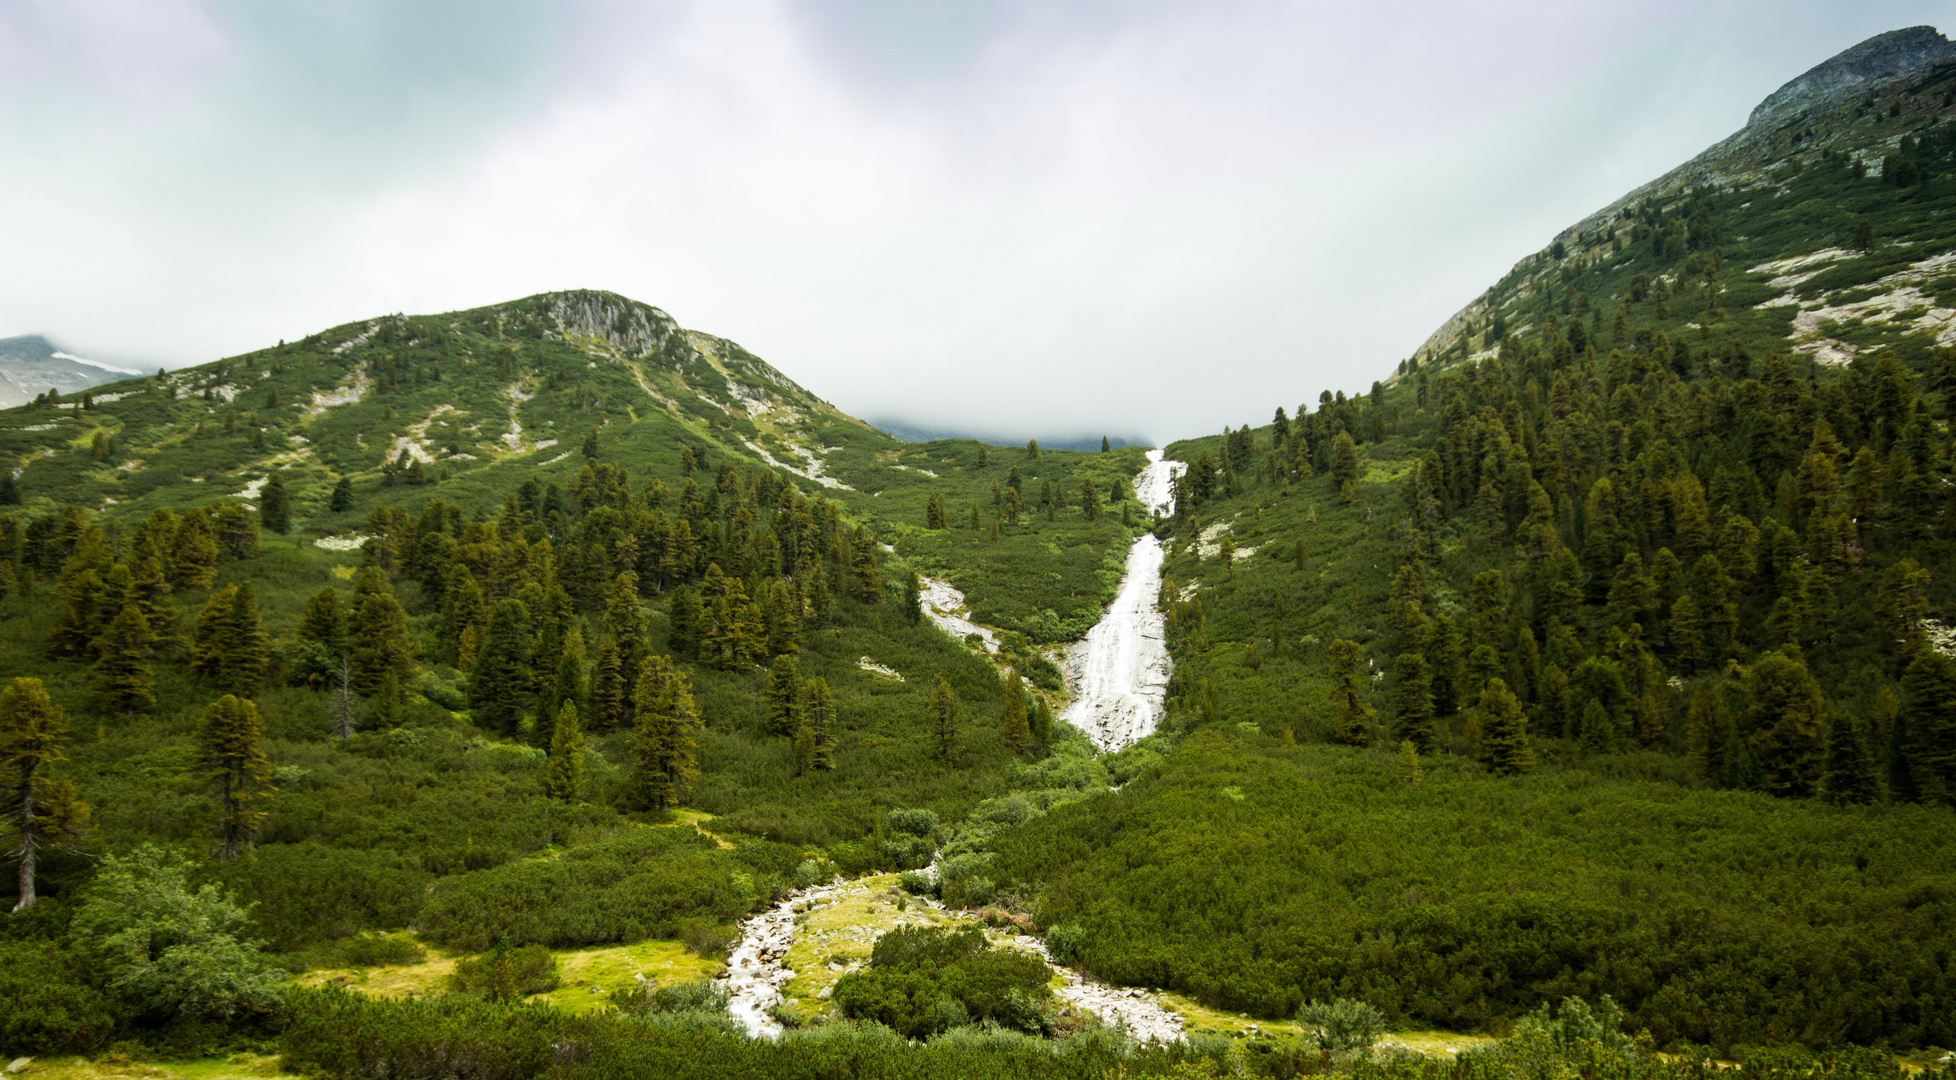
(1119, 671)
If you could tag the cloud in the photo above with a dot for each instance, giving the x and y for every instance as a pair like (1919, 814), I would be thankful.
(1025, 218)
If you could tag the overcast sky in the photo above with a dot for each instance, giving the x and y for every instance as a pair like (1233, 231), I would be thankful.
(1023, 217)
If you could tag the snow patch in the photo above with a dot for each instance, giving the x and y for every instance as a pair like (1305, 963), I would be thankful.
(94, 363)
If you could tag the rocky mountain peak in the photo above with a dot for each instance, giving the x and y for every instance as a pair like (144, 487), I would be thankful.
(1869, 66)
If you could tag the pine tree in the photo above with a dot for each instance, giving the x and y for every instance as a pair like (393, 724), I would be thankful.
(1926, 727)
(684, 618)
(124, 681)
(1412, 691)
(1040, 721)
(342, 495)
(502, 679)
(913, 598)
(782, 698)
(1354, 718)
(935, 512)
(818, 719)
(1344, 467)
(1850, 775)
(323, 621)
(207, 637)
(231, 758)
(379, 632)
(611, 709)
(624, 623)
(1788, 724)
(1409, 762)
(343, 721)
(565, 775)
(942, 715)
(275, 507)
(782, 616)
(384, 712)
(663, 736)
(569, 682)
(1018, 729)
(41, 811)
(1089, 499)
(243, 651)
(1504, 730)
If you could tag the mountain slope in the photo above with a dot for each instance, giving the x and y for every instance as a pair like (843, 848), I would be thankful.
(31, 366)
(1841, 170)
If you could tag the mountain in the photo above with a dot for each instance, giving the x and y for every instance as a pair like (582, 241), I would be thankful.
(1777, 196)
(909, 432)
(31, 366)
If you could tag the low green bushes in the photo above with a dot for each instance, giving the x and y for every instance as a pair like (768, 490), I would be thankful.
(922, 981)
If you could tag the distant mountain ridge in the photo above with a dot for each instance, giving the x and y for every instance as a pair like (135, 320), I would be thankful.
(1858, 105)
(31, 365)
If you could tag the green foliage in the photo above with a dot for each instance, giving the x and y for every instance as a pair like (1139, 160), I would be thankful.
(49, 1003)
(639, 884)
(923, 981)
(1341, 1025)
(506, 974)
(1692, 908)
(170, 950)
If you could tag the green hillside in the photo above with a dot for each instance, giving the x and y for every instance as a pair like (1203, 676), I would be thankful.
(1587, 684)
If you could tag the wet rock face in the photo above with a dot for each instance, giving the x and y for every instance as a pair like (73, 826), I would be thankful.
(1871, 65)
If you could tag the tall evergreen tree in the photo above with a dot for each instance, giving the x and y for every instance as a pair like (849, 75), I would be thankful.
(41, 811)
(379, 631)
(193, 552)
(569, 684)
(611, 709)
(664, 734)
(684, 619)
(1354, 718)
(124, 681)
(1344, 467)
(1926, 728)
(942, 715)
(1018, 728)
(564, 777)
(324, 621)
(1504, 730)
(207, 636)
(1040, 720)
(342, 498)
(231, 758)
(1412, 692)
(818, 719)
(502, 679)
(1850, 776)
(243, 651)
(782, 698)
(1788, 724)
(275, 506)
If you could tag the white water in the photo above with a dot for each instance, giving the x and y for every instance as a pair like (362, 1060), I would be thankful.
(944, 605)
(755, 973)
(1119, 671)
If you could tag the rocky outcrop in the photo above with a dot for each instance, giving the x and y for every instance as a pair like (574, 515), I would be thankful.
(1867, 68)
(634, 329)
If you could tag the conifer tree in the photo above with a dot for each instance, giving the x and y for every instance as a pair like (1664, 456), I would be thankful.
(663, 735)
(323, 621)
(565, 775)
(207, 637)
(782, 616)
(942, 715)
(41, 811)
(1354, 718)
(275, 507)
(1412, 691)
(1850, 776)
(818, 720)
(231, 758)
(569, 683)
(1926, 728)
(235, 531)
(243, 653)
(194, 550)
(342, 495)
(1409, 762)
(379, 632)
(782, 698)
(913, 598)
(1039, 718)
(502, 679)
(1788, 724)
(1344, 467)
(1018, 728)
(342, 707)
(1503, 730)
(935, 512)
(684, 619)
(384, 708)
(624, 622)
(124, 681)
(1089, 499)
(611, 709)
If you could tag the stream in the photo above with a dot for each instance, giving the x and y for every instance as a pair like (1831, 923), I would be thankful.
(1118, 675)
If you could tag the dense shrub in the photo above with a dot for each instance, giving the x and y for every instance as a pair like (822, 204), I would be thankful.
(639, 884)
(511, 973)
(925, 980)
(1255, 876)
(48, 1003)
(379, 950)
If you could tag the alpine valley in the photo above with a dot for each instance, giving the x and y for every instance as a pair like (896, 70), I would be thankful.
(548, 690)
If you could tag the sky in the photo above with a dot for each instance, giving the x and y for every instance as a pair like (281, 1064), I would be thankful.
(1142, 218)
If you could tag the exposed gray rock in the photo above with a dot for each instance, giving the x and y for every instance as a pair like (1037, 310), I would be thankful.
(1872, 65)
